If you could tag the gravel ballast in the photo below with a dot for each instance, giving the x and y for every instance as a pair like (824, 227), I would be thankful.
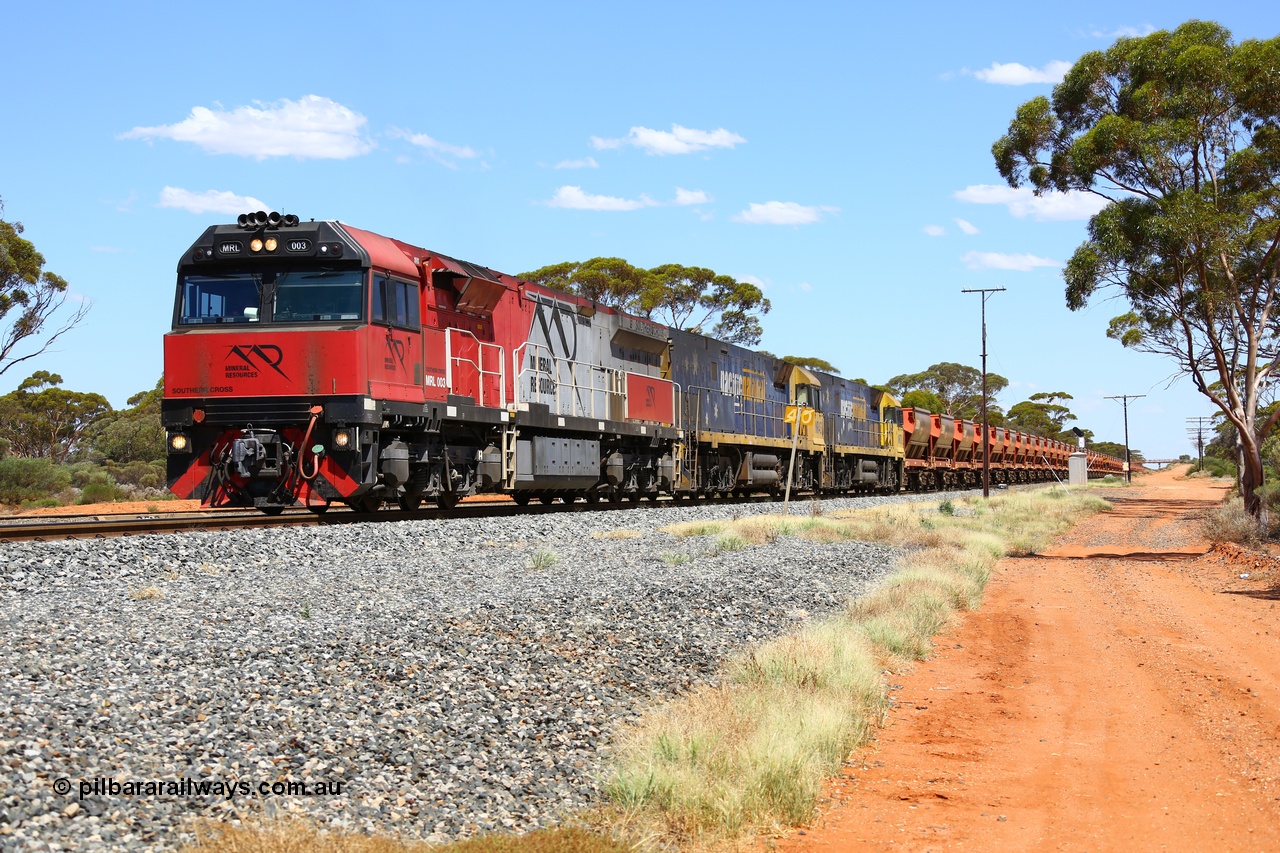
(429, 679)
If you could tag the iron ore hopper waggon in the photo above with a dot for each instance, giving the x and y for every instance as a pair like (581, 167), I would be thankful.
(313, 362)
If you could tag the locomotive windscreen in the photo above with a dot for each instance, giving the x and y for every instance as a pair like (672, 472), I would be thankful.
(296, 296)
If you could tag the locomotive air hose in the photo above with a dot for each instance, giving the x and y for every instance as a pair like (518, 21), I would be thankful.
(306, 440)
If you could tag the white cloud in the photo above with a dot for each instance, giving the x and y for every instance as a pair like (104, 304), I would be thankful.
(934, 230)
(587, 163)
(311, 127)
(805, 286)
(126, 205)
(687, 197)
(574, 198)
(209, 201)
(443, 153)
(966, 226)
(1017, 74)
(751, 279)
(1000, 261)
(782, 213)
(1023, 202)
(681, 140)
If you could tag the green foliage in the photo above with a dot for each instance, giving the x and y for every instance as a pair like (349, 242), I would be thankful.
(543, 559)
(29, 299)
(947, 507)
(25, 480)
(42, 420)
(956, 388)
(672, 294)
(142, 476)
(1214, 467)
(1042, 415)
(100, 489)
(1180, 133)
(813, 364)
(1110, 448)
(919, 398)
(130, 435)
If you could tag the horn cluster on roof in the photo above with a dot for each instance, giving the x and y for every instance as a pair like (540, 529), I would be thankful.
(260, 218)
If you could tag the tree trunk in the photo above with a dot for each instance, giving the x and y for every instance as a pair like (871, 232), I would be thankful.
(1250, 480)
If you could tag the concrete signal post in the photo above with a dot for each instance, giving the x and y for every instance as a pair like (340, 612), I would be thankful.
(1078, 462)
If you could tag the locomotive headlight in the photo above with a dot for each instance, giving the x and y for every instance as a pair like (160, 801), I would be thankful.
(343, 439)
(178, 443)
(271, 244)
(255, 245)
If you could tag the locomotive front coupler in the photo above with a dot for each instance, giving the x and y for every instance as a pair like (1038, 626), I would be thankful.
(260, 453)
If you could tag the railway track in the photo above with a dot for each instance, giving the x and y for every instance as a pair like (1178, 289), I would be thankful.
(53, 527)
(47, 528)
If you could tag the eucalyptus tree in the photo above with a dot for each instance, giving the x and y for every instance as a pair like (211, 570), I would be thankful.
(1180, 133)
(30, 299)
(956, 389)
(682, 297)
(1042, 414)
(815, 363)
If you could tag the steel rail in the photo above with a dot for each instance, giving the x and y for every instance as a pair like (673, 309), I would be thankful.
(51, 528)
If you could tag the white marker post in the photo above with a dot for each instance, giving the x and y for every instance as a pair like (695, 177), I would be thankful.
(794, 416)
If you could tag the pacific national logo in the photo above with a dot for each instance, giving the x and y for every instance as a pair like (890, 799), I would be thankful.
(244, 361)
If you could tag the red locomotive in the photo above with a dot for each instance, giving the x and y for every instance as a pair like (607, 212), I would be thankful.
(313, 362)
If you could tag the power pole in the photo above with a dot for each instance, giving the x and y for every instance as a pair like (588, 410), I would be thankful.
(985, 292)
(1125, 398)
(1197, 432)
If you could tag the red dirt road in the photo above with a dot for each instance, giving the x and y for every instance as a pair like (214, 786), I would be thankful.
(1120, 691)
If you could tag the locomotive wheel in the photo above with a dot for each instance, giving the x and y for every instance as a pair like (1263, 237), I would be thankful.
(319, 509)
(548, 500)
(591, 497)
(271, 510)
(447, 500)
(521, 498)
(409, 503)
(615, 497)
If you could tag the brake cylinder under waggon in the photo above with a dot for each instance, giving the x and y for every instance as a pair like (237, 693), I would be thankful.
(313, 362)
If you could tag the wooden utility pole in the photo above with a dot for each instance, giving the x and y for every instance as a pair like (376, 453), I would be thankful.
(986, 443)
(1124, 400)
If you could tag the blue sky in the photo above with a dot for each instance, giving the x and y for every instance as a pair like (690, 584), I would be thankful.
(837, 156)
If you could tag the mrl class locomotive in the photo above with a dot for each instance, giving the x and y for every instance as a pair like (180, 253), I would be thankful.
(313, 362)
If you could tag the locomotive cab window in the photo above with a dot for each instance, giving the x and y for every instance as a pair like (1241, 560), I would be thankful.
(395, 302)
(322, 296)
(807, 395)
(219, 299)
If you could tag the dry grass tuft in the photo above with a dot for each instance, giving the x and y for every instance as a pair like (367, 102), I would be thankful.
(299, 836)
(753, 752)
(617, 534)
(1229, 522)
(543, 558)
(695, 528)
(147, 593)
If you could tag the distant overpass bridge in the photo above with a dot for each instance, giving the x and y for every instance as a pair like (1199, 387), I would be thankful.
(1158, 463)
